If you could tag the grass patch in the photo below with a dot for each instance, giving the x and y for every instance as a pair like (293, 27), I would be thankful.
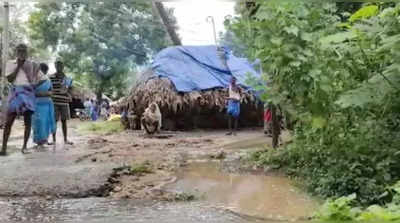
(135, 169)
(101, 127)
(184, 197)
(140, 169)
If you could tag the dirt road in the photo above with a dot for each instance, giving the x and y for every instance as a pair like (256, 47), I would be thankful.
(129, 165)
(52, 171)
(84, 169)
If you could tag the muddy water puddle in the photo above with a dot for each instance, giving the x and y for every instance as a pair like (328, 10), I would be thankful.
(223, 198)
(102, 210)
(268, 197)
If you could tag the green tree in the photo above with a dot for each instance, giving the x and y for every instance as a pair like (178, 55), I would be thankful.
(99, 42)
(340, 81)
(228, 39)
(17, 29)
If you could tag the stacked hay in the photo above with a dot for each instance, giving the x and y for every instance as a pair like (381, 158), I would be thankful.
(204, 109)
(80, 93)
(120, 104)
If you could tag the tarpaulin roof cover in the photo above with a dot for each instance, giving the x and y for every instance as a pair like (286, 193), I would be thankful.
(195, 68)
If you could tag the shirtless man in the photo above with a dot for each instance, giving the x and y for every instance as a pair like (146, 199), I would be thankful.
(22, 74)
(233, 102)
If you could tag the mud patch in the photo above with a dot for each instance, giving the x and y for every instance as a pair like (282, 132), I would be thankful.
(139, 181)
(268, 197)
(87, 156)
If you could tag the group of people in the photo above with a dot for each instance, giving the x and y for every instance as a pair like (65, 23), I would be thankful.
(94, 110)
(40, 98)
(44, 100)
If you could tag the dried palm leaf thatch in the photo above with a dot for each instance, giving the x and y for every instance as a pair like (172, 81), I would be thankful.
(186, 107)
(80, 93)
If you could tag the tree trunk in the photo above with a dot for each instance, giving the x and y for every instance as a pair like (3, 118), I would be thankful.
(275, 127)
(99, 95)
(164, 17)
(99, 92)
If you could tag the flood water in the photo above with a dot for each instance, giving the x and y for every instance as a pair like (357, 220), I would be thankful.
(103, 210)
(268, 197)
(222, 197)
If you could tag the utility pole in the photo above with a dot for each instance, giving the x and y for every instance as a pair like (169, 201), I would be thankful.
(4, 57)
(211, 19)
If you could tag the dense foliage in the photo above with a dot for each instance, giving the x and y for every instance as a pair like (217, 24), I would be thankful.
(340, 82)
(345, 209)
(101, 42)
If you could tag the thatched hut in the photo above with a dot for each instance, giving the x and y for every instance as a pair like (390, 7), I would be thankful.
(192, 107)
(79, 94)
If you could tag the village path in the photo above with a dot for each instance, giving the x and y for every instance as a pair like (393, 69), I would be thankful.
(52, 171)
(82, 169)
(69, 183)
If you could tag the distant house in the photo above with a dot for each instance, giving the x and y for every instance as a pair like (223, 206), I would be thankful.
(79, 95)
(189, 83)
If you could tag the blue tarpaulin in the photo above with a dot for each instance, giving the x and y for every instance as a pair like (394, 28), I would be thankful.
(195, 68)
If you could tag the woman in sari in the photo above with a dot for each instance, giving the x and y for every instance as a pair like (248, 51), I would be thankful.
(44, 122)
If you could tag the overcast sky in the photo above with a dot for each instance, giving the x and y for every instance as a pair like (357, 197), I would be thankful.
(192, 14)
(192, 18)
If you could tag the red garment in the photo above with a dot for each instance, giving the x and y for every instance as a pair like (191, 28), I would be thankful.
(267, 115)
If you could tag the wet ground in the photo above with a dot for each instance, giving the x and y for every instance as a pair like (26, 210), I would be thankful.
(268, 197)
(51, 171)
(79, 183)
(96, 210)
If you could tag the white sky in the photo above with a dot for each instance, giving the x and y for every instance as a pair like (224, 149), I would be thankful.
(192, 19)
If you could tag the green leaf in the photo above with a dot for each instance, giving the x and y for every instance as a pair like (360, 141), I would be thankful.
(364, 12)
(306, 37)
(344, 25)
(315, 73)
(318, 122)
(295, 63)
(276, 41)
(338, 37)
(292, 30)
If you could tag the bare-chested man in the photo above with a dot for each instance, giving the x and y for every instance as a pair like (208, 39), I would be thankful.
(22, 74)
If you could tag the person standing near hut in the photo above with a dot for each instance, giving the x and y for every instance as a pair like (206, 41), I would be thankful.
(233, 106)
(268, 122)
(151, 120)
(88, 106)
(22, 74)
(62, 86)
(44, 123)
(124, 117)
(94, 111)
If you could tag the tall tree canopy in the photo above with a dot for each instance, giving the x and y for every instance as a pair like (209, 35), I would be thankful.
(16, 30)
(100, 42)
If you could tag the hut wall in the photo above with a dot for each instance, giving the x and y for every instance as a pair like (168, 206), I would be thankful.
(180, 111)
